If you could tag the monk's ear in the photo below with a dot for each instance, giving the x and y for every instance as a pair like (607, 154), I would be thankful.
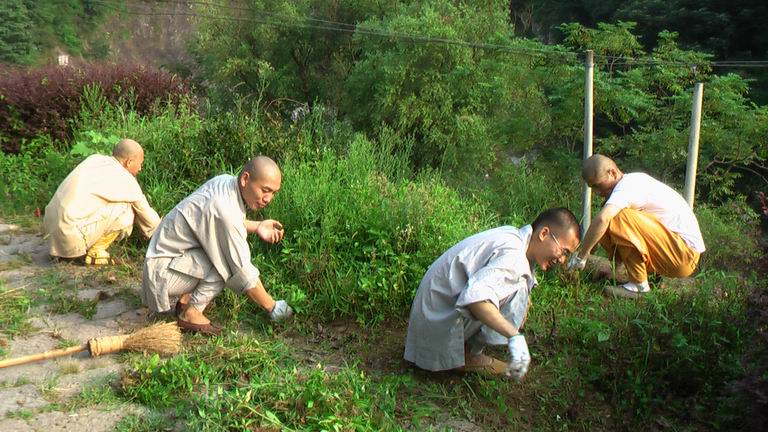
(543, 232)
(244, 177)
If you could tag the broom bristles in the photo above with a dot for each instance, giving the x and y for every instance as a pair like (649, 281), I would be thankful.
(163, 338)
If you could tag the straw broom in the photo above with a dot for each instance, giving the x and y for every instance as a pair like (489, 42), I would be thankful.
(164, 338)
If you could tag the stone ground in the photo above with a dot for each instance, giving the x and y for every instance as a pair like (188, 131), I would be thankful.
(62, 394)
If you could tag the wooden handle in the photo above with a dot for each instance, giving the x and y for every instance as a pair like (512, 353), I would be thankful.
(43, 356)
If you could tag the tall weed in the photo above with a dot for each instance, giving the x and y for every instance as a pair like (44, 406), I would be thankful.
(360, 233)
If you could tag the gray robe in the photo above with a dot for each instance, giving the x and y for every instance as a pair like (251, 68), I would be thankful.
(203, 238)
(488, 266)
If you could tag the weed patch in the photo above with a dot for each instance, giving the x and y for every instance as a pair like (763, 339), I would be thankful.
(60, 295)
(14, 307)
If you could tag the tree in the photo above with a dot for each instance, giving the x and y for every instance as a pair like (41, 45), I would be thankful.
(15, 33)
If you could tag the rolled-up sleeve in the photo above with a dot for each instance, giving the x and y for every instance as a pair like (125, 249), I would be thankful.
(494, 282)
(234, 259)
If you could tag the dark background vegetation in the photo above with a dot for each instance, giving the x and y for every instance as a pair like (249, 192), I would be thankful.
(396, 147)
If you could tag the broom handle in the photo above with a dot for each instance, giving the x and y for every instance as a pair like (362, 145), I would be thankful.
(43, 356)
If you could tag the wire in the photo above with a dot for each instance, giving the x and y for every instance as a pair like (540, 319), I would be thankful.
(349, 28)
(283, 20)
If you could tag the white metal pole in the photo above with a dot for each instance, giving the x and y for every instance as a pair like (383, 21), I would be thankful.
(693, 144)
(589, 68)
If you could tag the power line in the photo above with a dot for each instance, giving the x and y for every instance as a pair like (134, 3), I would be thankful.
(349, 28)
(336, 26)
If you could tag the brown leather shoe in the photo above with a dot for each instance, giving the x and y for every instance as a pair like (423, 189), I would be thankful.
(180, 307)
(494, 367)
(209, 329)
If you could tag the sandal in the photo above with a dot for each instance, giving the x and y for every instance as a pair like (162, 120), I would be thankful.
(100, 261)
(209, 329)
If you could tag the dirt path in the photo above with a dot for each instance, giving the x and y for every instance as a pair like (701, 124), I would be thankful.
(68, 305)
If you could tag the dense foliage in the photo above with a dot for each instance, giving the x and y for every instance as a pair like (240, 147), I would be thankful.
(467, 108)
(393, 148)
(47, 100)
(31, 28)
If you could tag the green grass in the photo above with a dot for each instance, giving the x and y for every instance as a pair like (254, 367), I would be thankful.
(59, 294)
(362, 226)
(20, 414)
(152, 422)
(14, 306)
(100, 394)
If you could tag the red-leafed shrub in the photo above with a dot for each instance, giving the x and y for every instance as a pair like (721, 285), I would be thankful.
(45, 100)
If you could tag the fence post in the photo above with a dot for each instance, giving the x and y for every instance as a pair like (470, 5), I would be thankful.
(586, 197)
(693, 144)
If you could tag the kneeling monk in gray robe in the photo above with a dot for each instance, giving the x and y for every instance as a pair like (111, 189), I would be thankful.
(477, 294)
(201, 246)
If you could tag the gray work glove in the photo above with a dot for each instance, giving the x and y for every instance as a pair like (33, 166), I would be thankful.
(281, 311)
(576, 263)
(519, 357)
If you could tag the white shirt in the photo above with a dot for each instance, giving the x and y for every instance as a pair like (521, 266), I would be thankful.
(642, 192)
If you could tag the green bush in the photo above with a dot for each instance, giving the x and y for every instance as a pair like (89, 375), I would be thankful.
(671, 351)
(462, 105)
(731, 233)
(31, 177)
(360, 233)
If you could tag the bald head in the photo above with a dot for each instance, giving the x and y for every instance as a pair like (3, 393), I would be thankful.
(261, 167)
(259, 181)
(596, 166)
(601, 174)
(130, 155)
(127, 149)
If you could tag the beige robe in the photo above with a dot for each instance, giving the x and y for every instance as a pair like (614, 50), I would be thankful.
(98, 197)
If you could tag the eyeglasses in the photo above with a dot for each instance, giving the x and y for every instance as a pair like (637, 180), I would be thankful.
(563, 250)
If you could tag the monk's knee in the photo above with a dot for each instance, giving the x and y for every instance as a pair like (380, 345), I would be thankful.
(621, 221)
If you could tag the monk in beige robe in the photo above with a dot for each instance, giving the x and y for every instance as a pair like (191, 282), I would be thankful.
(98, 203)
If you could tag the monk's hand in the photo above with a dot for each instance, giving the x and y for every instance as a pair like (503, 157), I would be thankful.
(281, 311)
(520, 358)
(270, 231)
(577, 263)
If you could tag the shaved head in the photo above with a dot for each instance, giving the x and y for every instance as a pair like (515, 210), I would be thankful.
(601, 174)
(127, 149)
(259, 181)
(261, 167)
(130, 155)
(596, 166)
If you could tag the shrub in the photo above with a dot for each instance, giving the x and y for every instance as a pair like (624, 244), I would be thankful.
(731, 233)
(361, 233)
(673, 352)
(46, 100)
(31, 177)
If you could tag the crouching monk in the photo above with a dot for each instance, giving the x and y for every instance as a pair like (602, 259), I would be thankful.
(98, 203)
(477, 294)
(644, 224)
(201, 246)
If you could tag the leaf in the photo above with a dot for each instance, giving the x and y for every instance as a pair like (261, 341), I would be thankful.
(81, 149)
(603, 335)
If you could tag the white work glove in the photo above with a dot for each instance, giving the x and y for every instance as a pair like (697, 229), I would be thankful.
(281, 311)
(576, 263)
(519, 357)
